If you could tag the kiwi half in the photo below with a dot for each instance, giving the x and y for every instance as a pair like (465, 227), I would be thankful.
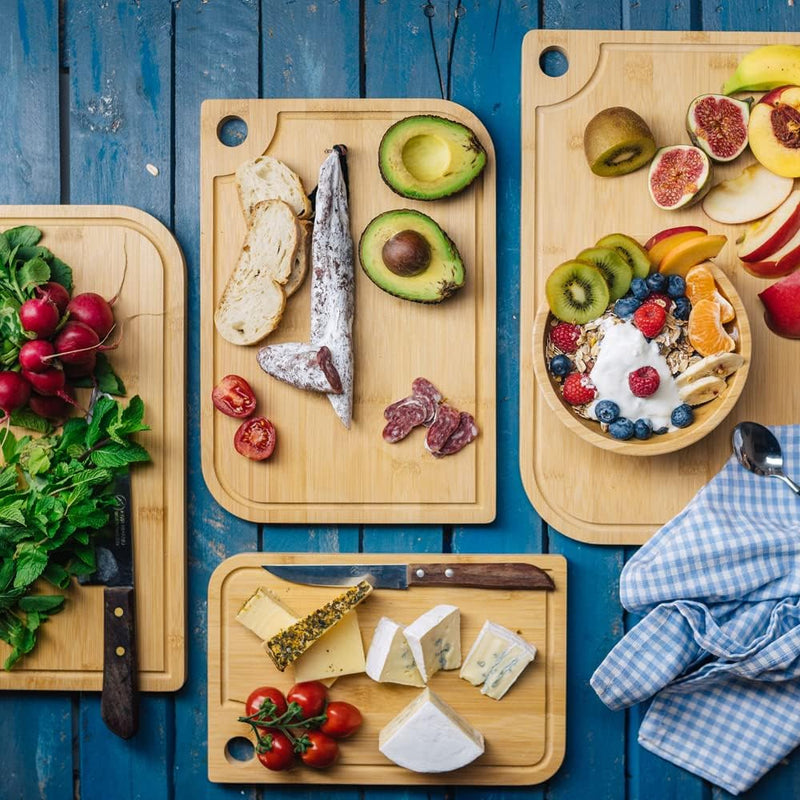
(617, 141)
(576, 292)
(630, 250)
(614, 268)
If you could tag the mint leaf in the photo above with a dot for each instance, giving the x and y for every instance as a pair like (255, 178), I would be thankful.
(25, 418)
(32, 273)
(57, 575)
(116, 455)
(23, 236)
(12, 512)
(31, 561)
(47, 603)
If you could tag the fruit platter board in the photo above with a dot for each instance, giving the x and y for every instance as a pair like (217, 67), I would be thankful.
(321, 470)
(101, 244)
(642, 91)
(515, 740)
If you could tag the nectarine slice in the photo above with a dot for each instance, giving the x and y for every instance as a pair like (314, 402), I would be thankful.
(682, 258)
(660, 249)
(774, 131)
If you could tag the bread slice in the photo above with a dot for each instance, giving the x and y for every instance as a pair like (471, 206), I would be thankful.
(266, 178)
(252, 303)
(302, 259)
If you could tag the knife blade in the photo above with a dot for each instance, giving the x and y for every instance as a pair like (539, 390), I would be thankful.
(482, 575)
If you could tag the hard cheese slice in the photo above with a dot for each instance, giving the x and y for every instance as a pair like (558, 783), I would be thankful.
(389, 659)
(264, 614)
(435, 640)
(428, 736)
(496, 659)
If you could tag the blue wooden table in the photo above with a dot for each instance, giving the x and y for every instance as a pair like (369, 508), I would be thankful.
(95, 90)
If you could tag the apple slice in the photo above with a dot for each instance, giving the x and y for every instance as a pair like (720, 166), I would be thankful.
(751, 195)
(682, 258)
(778, 264)
(782, 304)
(659, 250)
(766, 236)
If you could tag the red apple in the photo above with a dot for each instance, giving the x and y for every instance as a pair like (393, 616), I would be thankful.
(766, 236)
(782, 304)
(774, 131)
(656, 238)
(778, 264)
(751, 195)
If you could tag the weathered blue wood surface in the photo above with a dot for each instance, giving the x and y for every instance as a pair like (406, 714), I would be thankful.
(93, 92)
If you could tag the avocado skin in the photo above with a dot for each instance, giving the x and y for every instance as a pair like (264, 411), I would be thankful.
(443, 276)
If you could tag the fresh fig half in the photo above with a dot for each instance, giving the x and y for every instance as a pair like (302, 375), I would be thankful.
(679, 176)
(718, 125)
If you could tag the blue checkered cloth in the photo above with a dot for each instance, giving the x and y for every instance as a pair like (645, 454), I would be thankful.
(718, 649)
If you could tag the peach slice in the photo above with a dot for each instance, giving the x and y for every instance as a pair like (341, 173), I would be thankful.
(659, 250)
(688, 254)
(774, 131)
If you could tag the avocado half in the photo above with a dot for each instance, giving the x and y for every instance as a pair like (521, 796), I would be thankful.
(444, 273)
(427, 157)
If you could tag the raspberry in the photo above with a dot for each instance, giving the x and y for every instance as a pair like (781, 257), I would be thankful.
(662, 299)
(644, 381)
(650, 318)
(578, 389)
(565, 337)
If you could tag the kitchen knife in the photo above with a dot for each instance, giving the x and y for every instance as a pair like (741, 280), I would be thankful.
(489, 575)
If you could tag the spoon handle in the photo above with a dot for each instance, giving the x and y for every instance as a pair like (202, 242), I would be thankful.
(788, 481)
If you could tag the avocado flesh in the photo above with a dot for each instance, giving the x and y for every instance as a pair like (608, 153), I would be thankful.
(427, 157)
(443, 275)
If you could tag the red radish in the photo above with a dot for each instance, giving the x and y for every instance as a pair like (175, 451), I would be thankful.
(77, 343)
(49, 407)
(34, 355)
(92, 310)
(81, 370)
(48, 383)
(14, 391)
(40, 316)
(55, 292)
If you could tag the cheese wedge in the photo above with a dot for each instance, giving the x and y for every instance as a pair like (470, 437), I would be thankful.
(389, 659)
(435, 640)
(265, 614)
(339, 652)
(429, 736)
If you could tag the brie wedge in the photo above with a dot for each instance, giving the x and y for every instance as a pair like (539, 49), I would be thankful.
(389, 659)
(435, 640)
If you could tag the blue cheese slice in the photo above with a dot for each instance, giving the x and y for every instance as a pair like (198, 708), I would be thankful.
(389, 659)
(429, 736)
(435, 640)
(496, 659)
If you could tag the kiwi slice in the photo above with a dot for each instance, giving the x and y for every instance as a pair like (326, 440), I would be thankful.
(617, 141)
(630, 250)
(614, 268)
(576, 292)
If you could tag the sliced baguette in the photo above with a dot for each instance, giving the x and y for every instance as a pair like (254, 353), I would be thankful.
(266, 178)
(252, 303)
(302, 259)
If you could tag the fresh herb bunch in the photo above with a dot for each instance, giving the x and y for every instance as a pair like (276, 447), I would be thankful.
(56, 496)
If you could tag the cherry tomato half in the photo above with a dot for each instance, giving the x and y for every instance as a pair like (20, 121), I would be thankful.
(255, 438)
(234, 397)
(281, 753)
(343, 719)
(310, 696)
(322, 751)
(259, 696)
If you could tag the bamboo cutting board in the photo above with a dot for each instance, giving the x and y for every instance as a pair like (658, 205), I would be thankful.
(585, 492)
(524, 731)
(321, 472)
(96, 241)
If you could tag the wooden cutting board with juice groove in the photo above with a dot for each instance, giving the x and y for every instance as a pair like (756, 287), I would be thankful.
(321, 472)
(96, 241)
(585, 492)
(524, 732)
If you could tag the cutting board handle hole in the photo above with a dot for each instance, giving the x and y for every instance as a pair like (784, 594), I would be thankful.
(239, 750)
(232, 131)
(553, 62)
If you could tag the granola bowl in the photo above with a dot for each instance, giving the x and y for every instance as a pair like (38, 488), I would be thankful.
(673, 343)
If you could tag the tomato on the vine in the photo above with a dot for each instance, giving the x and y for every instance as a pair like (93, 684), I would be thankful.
(321, 751)
(234, 397)
(310, 696)
(280, 754)
(342, 720)
(259, 696)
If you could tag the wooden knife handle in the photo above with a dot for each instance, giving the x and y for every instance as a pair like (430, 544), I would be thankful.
(500, 575)
(119, 705)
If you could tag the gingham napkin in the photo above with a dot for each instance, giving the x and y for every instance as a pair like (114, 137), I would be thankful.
(719, 647)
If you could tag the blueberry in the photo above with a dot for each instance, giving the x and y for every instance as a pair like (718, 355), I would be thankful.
(625, 306)
(676, 286)
(621, 428)
(640, 289)
(606, 411)
(661, 431)
(682, 416)
(656, 282)
(642, 429)
(682, 308)
(560, 365)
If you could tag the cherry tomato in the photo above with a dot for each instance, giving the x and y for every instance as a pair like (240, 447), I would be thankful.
(255, 438)
(234, 397)
(281, 753)
(310, 696)
(343, 719)
(259, 696)
(322, 751)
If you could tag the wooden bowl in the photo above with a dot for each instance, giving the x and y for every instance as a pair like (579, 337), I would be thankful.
(706, 417)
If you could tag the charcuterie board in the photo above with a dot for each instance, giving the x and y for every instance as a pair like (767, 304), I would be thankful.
(587, 493)
(96, 241)
(320, 471)
(524, 731)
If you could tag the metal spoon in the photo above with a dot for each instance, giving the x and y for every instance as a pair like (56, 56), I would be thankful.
(759, 451)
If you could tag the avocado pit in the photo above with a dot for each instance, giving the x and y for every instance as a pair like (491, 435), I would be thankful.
(407, 253)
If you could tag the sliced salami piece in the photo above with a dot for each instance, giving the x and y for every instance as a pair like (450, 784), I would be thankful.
(466, 432)
(417, 405)
(423, 387)
(301, 365)
(406, 414)
(446, 421)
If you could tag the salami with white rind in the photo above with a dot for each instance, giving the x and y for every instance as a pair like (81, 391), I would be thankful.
(445, 423)
(301, 365)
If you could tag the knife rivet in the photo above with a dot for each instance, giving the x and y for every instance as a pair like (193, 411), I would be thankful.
(118, 612)
(448, 573)
(420, 573)
(120, 651)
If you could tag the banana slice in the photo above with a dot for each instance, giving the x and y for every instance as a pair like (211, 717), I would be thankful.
(719, 365)
(702, 390)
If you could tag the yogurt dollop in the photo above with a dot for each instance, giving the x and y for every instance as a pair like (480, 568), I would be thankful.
(623, 349)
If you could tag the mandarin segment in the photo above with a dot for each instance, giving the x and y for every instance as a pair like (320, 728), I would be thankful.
(705, 330)
(700, 285)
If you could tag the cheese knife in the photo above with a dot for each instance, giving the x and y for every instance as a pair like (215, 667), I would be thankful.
(490, 575)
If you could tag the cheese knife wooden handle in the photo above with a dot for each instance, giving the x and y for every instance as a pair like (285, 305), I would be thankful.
(119, 705)
(500, 575)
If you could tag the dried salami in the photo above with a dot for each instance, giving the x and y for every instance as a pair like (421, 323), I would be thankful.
(446, 421)
(466, 432)
(301, 365)
(406, 414)
(424, 388)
